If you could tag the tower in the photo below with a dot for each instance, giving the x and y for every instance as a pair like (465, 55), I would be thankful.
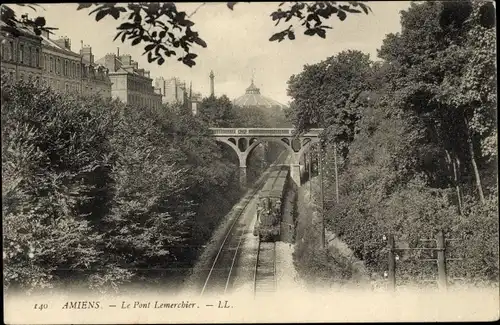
(212, 91)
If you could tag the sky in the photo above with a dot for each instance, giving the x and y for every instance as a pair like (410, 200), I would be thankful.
(237, 40)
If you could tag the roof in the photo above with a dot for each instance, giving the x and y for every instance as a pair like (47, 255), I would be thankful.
(50, 43)
(122, 68)
(253, 97)
(21, 28)
(95, 64)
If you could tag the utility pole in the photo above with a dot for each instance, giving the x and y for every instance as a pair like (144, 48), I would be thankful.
(320, 169)
(310, 174)
(441, 261)
(392, 262)
(336, 174)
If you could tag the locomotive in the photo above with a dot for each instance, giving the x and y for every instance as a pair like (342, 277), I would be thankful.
(270, 204)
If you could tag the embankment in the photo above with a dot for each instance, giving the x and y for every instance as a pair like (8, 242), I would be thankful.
(333, 266)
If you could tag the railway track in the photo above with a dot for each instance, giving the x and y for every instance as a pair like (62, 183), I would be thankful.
(220, 274)
(265, 280)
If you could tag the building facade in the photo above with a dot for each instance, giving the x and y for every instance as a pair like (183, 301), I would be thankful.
(52, 62)
(95, 78)
(130, 84)
(70, 72)
(20, 55)
(173, 91)
(61, 66)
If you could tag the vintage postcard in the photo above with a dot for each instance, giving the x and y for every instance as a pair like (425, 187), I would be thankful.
(249, 162)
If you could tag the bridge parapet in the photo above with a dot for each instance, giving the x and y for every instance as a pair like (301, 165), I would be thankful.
(264, 132)
(243, 140)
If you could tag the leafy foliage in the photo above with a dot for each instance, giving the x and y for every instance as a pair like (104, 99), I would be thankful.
(54, 150)
(14, 24)
(311, 16)
(120, 189)
(168, 32)
(415, 134)
(324, 95)
(160, 26)
(217, 111)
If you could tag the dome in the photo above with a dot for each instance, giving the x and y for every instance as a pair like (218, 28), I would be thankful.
(253, 97)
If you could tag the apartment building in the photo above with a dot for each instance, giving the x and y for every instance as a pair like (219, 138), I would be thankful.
(95, 77)
(173, 91)
(21, 55)
(61, 66)
(52, 62)
(129, 83)
(76, 73)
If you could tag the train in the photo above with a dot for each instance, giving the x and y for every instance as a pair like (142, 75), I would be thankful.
(270, 204)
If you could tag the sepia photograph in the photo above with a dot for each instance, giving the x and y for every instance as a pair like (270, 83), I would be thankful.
(249, 162)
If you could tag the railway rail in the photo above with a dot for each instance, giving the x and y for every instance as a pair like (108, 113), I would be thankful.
(220, 275)
(265, 280)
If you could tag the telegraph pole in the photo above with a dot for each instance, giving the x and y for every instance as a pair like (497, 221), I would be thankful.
(336, 174)
(320, 170)
(310, 173)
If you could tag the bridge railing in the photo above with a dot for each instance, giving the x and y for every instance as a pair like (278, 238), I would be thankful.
(261, 131)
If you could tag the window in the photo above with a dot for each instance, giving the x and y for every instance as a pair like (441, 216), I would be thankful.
(11, 55)
(29, 61)
(21, 53)
(37, 58)
(65, 67)
(58, 66)
(51, 64)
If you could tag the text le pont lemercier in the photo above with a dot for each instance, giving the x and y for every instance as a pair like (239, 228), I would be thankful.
(157, 304)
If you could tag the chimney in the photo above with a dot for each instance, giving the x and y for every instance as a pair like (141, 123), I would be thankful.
(146, 74)
(126, 59)
(212, 90)
(64, 42)
(135, 64)
(86, 53)
(118, 52)
(46, 34)
(110, 62)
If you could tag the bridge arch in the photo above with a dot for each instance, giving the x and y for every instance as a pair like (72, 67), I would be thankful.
(244, 140)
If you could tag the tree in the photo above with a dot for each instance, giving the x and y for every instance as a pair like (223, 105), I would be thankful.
(167, 32)
(434, 59)
(217, 111)
(323, 95)
(55, 156)
(250, 117)
(120, 188)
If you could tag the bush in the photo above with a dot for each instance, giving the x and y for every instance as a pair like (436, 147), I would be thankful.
(479, 230)
(54, 150)
(117, 187)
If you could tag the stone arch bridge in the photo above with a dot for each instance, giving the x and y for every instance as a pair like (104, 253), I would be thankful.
(244, 140)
